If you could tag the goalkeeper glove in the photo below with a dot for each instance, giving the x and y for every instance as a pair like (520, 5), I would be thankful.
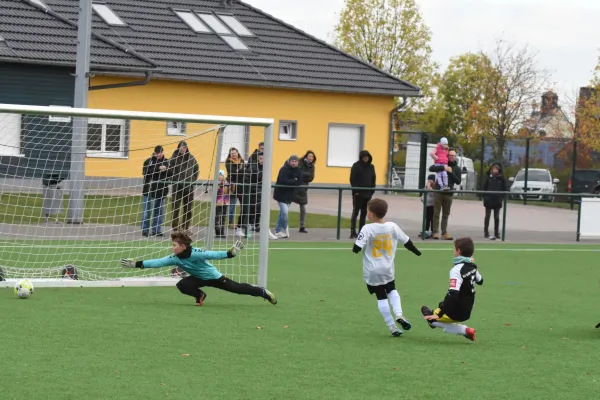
(127, 263)
(237, 247)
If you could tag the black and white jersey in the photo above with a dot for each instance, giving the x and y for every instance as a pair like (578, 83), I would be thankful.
(459, 301)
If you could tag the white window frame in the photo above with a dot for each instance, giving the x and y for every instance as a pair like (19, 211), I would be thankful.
(214, 23)
(14, 149)
(175, 128)
(107, 14)
(334, 148)
(235, 136)
(39, 3)
(192, 21)
(235, 25)
(109, 154)
(288, 130)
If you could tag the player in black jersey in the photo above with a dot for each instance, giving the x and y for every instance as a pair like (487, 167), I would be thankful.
(459, 300)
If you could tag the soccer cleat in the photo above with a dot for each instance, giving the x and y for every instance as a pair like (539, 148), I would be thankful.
(201, 299)
(395, 331)
(403, 322)
(470, 334)
(427, 311)
(270, 297)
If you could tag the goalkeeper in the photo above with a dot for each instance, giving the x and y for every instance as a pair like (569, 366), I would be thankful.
(195, 262)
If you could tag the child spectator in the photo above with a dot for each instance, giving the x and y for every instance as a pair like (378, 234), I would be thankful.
(440, 156)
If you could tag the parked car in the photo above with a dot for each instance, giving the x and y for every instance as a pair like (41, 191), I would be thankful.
(539, 185)
(585, 181)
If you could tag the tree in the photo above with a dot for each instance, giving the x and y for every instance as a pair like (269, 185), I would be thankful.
(391, 35)
(587, 129)
(511, 86)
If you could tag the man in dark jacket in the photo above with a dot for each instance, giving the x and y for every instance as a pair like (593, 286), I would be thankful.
(157, 169)
(253, 159)
(494, 182)
(253, 195)
(184, 170)
(362, 175)
(443, 200)
(289, 175)
(307, 165)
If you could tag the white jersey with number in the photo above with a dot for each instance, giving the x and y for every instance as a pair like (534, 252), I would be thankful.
(379, 243)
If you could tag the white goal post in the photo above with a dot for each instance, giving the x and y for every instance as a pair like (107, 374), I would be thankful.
(147, 174)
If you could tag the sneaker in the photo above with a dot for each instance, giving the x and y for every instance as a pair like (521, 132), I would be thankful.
(470, 334)
(492, 237)
(271, 236)
(403, 322)
(201, 299)
(395, 331)
(281, 235)
(447, 236)
(427, 311)
(239, 232)
(353, 235)
(270, 297)
(302, 230)
(498, 236)
(287, 232)
(145, 234)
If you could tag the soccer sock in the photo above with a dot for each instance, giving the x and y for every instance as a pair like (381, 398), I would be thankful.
(384, 309)
(394, 297)
(455, 329)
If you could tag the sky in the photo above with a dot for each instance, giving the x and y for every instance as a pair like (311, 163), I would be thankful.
(561, 32)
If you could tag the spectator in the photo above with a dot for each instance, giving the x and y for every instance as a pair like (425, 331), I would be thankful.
(253, 159)
(234, 164)
(222, 205)
(184, 171)
(253, 195)
(146, 203)
(289, 175)
(307, 166)
(429, 199)
(443, 201)
(362, 175)
(494, 182)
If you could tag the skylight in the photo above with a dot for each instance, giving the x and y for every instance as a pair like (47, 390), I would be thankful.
(193, 22)
(40, 3)
(235, 25)
(215, 24)
(2, 43)
(234, 42)
(108, 15)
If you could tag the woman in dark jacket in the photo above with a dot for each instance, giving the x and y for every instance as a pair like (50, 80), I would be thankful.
(235, 166)
(494, 182)
(307, 165)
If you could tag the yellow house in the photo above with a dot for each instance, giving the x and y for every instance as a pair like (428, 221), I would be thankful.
(228, 58)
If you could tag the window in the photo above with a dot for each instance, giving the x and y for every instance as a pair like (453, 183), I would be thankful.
(343, 144)
(59, 118)
(107, 138)
(235, 136)
(235, 43)
(215, 24)
(193, 22)
(40, 3)
(2, 43)
(107, 15)
(10, 135)
(176, 128)
(534, 176)
(288, 130)
(235, 25)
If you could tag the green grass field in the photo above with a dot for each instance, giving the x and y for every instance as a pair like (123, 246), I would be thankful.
(534, 315)
(127, 210)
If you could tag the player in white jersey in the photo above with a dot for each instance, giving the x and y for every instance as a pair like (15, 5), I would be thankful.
(379, 241)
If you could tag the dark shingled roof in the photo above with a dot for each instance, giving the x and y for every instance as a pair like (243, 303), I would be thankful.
(280, 55)
(32, 35)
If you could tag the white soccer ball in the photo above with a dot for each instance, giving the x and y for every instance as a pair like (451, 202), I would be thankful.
(24, 288)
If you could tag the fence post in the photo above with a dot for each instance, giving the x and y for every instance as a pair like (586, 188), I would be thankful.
(339, 215)
(527, 141)
(481, 169)
(579, 218)
(504, 216)
(573, 168)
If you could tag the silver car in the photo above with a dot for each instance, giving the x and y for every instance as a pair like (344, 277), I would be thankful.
(539, 185)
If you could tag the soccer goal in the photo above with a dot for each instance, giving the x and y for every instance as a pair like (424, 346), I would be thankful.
(82, 188)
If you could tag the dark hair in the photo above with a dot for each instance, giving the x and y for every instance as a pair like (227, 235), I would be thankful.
(182, 238)
(465, 245)
(261, 144)
(310, 152)
(378, 207)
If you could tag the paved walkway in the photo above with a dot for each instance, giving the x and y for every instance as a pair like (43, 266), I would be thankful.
(527, 224)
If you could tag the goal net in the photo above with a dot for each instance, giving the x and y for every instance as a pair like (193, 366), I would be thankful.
(82, 188)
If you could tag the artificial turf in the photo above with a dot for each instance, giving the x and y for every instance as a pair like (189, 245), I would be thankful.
(534, 316)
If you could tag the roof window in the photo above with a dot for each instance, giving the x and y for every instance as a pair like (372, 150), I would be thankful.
(107, 14)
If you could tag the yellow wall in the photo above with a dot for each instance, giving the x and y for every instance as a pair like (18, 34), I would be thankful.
(313, 111)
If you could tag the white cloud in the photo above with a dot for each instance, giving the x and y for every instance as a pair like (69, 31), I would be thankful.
(563, 33)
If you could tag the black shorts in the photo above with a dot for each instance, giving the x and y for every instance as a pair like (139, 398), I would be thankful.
(381, 291)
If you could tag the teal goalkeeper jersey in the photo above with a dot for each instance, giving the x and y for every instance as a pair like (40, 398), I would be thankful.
(196, 264)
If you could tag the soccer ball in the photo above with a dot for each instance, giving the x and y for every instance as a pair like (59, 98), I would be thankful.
(24, 288)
